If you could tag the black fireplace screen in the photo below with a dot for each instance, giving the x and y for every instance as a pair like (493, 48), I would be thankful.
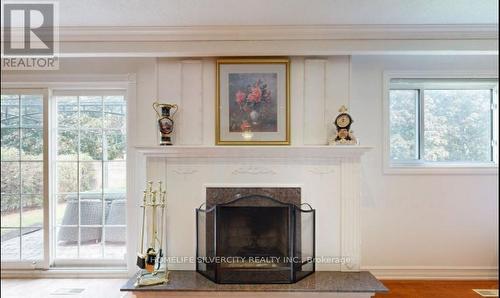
(255, 239)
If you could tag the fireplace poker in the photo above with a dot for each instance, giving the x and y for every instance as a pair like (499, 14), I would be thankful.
(141, 257)
(163, 194)
(151, 253)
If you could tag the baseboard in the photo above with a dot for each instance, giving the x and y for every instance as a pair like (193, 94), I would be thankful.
(434, 273)
(380, 272)
(66, 273)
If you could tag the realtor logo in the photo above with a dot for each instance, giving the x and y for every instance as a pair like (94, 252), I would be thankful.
(30, 35)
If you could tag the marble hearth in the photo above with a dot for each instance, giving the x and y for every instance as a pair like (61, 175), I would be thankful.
(320, 284)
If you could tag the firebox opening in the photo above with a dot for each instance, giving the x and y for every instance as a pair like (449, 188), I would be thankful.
(257, 236)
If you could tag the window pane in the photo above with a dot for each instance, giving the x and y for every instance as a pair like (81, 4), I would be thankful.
(10, 144)
(91, 212)
(115, 145)
(90, 145)
(67, 145)
(67, 112)
(32, 243)
(11, 182)
(115, 177)
(115, 242)
(31, 144)
(67, 177)
(61, 205)
(457, 125)
(10, 110)
(66, 242)
(90, 243)
(90, 177)
(10, 244)
(91, 111)
(32, 214)
(403, 124)
(10, 211)
(114, 112)
(32, 177)
(116, 210)
(31, 110)
(71, 212)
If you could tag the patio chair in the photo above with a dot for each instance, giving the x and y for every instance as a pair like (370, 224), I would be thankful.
(116, 216)
(91, 214)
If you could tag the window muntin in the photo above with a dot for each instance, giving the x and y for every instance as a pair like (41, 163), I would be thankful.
(90, 167)
(442, 121)
(22, 175)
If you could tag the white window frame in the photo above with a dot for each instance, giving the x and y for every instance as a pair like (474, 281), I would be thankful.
(421, 167)
(49, 82)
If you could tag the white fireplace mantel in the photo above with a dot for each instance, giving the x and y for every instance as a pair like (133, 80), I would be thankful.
(317, 152)
(330, 178)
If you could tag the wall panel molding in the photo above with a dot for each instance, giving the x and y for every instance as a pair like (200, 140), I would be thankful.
(190, 130)
(314, 107)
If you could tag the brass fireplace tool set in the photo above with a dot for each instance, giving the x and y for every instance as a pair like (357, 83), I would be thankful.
(153, 269)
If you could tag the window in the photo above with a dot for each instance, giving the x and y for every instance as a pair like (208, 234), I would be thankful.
(442, 122)
(63, 177)
(90, 175)
(23, 164)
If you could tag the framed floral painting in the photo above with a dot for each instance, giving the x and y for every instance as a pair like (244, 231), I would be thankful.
(253, 101)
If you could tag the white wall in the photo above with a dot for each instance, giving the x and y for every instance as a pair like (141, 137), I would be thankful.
(429, 221)
(274, 12)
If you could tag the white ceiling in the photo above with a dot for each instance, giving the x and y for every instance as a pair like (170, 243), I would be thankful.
(275, 12)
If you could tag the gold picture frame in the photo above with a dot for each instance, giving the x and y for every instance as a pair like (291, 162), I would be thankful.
(252, 101)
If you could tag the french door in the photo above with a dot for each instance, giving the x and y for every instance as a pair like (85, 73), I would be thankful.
(77, 140)
(24, 179)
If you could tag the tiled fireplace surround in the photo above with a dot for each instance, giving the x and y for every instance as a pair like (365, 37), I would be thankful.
(329, 179)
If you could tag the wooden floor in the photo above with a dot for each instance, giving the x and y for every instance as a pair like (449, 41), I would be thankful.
(435, 289)
(109, 288)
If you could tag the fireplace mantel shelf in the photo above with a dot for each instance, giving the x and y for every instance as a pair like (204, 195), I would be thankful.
(261, 152)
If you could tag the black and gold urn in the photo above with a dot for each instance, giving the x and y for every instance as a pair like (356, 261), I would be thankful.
(165, 112)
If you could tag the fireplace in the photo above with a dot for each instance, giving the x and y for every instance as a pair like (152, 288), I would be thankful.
(255, 235)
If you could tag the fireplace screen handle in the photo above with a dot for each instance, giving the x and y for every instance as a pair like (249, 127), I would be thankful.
(307, 204)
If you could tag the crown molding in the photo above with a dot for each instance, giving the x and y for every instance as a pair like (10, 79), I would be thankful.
(290, 32)
(318, 40)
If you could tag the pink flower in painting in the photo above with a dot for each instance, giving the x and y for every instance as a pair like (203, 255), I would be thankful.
(245, 125)
(255, 93)
(240, 97)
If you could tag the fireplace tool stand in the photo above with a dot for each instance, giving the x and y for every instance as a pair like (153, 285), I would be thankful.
(152, 266)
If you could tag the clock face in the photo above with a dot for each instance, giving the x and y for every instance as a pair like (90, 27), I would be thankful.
(343, 121)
